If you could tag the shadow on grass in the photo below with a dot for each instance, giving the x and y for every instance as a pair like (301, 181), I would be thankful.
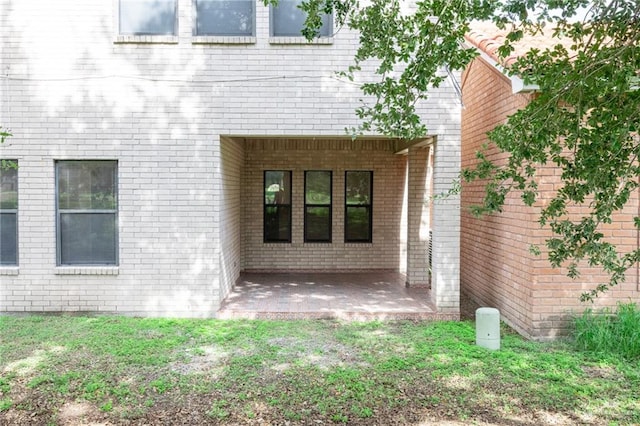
(239, 372)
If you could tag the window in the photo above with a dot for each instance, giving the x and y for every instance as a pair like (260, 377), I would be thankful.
(87, 212)
(317, 206)
(8, 212)
(224, 17)
(147, 17)
(287, 20)
(358, 197)
(277, 206)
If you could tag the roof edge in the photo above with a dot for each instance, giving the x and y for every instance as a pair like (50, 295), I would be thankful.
(518, 85)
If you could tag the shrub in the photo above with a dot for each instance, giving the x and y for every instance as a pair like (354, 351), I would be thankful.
(606, 331)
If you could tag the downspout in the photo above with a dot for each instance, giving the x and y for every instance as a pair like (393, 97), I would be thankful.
(456, 84)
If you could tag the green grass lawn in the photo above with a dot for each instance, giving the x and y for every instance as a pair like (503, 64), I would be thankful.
(118, 370)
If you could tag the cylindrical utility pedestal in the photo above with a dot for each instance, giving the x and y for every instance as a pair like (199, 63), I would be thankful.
(488, 328)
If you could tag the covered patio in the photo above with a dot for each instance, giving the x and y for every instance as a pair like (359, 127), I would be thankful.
(360, 296)
(381, 188)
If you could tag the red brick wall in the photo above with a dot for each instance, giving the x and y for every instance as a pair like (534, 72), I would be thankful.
(556, 296)
(496, 267)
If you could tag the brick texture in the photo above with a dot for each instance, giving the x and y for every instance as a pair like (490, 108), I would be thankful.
(496, 266)
(420, 192)
(337, 156)
(184, 117)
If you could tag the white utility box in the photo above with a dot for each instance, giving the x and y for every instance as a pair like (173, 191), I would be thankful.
(488, 328)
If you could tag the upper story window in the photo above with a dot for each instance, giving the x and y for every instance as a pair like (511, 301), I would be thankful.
(287, 20)
(277, 206)
(8, 213)
(87, 212)
(224, 18)
(148, 17)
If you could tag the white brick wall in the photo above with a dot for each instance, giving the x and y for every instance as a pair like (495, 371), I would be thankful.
(68, 91)
(230, 208)
(419, 215)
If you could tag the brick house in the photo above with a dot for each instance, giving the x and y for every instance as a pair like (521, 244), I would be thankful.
(496, 267)
(165, 146)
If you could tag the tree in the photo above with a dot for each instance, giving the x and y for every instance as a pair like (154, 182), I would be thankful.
(4, 134)
(585, 121)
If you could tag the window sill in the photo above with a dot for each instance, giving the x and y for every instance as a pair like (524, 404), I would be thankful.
(301, 40)
(9, 270)
(145, 39)
(87, 270)
(223, 40)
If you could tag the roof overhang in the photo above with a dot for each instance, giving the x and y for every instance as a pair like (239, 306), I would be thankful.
(402, 147)
(518, 85)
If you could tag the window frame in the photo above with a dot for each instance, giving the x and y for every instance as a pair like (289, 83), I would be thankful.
(312, 205)
(368, 206)
(195, 33)
(59, 212)
(8, 163)
(265, 206)
(299, 34)
(174, 33)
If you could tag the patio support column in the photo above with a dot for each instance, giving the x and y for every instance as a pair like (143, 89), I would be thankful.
(445, 265)
(419, 216)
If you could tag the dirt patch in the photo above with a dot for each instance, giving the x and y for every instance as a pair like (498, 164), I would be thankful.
(467, 308)
(80, 413)
(321, 353)
(602, 372)
(204, 359)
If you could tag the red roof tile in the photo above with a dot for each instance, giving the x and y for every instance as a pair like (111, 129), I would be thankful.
(488, 38)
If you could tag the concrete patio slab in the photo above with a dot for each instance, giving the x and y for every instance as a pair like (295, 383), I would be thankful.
(361, 296)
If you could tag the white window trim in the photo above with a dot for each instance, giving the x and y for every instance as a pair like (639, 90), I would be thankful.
(9, 270)
(15, 211)
(87, 270)
(145, 39)
(301, 40)
(221, 38)
(100, 267)
(224, 40)
(289, 39)
(140, 38)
